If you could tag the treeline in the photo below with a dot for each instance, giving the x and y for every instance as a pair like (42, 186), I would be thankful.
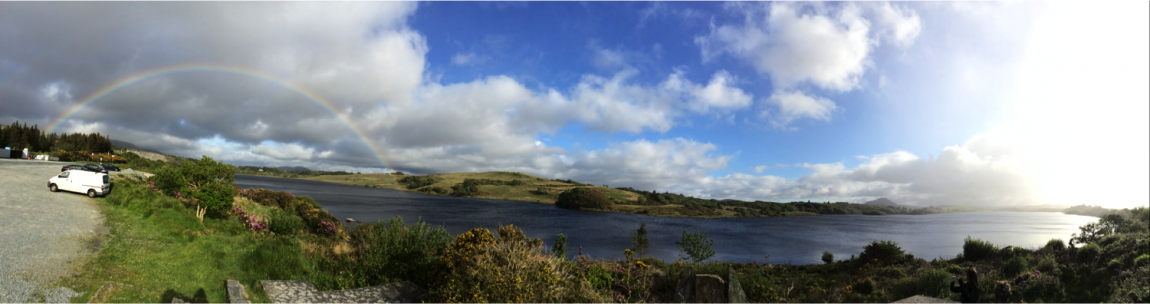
(253, 170)
(469, 187)
(18, 137)
(761, 208)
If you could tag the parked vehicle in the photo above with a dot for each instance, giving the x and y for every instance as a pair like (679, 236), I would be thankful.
(71, 167)
(95, 168)
(110, 167)
(91, 183)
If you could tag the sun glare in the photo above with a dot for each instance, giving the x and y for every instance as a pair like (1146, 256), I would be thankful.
(1078, 121)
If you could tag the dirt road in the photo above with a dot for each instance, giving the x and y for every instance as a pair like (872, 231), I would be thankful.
(44, 236)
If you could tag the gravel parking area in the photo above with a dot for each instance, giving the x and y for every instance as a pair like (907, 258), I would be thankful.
(46, 236)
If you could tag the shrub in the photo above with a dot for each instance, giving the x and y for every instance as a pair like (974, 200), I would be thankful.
(1046, 264)
(696, 246)
(1055, 245)
(469, 187)
(284, 223)
(560, 247)
(1107, 240)
(1037, 287)
(583, 198)
(394, 251)
(884, 251)
(310, 201)
(414, 182)
(639, 240)
(976, 249)
(864, 286)
(931, 283)
(1142, 260)
(1087, 253)
(509, 269)
(828, 257)
(1015, 266)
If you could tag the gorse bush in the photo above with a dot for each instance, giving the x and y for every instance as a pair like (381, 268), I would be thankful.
(390, 252)
(975, 249)
(883, 251)
(1015, 265)
(508, 269)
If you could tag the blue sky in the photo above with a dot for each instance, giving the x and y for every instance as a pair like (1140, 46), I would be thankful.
(935, 103)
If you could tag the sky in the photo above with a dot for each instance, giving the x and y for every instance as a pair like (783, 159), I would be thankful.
(925, 103)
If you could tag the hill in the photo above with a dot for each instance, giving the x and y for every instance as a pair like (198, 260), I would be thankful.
(297, 168)
(882, 201)
(128, 145)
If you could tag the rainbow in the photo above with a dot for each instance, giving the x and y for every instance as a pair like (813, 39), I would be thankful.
(195, 68)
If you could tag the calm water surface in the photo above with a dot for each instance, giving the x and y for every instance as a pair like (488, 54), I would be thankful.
(795, 240)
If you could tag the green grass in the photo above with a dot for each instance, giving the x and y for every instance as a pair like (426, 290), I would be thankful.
(158, 245)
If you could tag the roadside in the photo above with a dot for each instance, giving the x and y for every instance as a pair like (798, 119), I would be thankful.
(47, 236)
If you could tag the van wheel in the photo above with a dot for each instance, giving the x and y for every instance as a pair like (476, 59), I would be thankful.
(92, 193)
(53, 188)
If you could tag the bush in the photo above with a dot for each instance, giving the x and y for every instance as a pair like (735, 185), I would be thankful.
(560, 247)
(310, 201)
(864, 286)
(1046, 264)
(1142, 260)
(828, 257)
(1015, 266)
(976, 249)
(583, 198)
(884, 251)
(285, 223)
(508, 269)
(469, 187)
(931, 283)
(1055, 245)
(696, 246)
(414, 182)
(639, 240)
(1087, 253)
(393, 251)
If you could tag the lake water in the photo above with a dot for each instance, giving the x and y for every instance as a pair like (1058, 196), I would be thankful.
(794, 240)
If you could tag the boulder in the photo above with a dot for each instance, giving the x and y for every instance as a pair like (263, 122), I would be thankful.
(734, 290)
(686, 291)
(710, 288)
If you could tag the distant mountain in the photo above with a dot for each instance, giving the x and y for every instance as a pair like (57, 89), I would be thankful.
(293, 168)
(124, 144)
(882, 201)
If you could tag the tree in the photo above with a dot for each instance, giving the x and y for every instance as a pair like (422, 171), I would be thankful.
(828, 257)
(696, 246)
(209, 182)
(639, 240)
(560, 247)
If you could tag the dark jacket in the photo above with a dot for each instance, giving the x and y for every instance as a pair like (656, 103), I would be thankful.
(968, 293)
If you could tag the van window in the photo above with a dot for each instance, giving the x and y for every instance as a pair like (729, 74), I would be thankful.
(65, 174)
(105, 179)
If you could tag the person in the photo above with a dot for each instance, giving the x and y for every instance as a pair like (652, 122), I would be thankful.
(968, 290)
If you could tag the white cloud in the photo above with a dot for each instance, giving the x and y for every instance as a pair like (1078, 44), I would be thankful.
(897, 24)
(469, 58)
(791, 106)
(607, 59)
(284, 150)
(719, 93)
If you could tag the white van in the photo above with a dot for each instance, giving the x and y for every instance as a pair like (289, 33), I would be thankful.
(92, 183)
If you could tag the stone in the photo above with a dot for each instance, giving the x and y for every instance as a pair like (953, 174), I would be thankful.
(237, 293)
(305, 292)
(709, 288)
(350, 220)
(686, 291)
(734, 290)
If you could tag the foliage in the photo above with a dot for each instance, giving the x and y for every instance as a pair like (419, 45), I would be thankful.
(1088, 253)
(931, 283)
(560, 247)
(828, 257)
(696, 246)
(1055, 245)
(285, 223)
(583, 198)
(208, 182)
(469, 187)
(1031, 287)
(975, 249)
(639, 240)
(19, 136)
(414, 182)
(1015, 265)
(385, 253)
(883, 251)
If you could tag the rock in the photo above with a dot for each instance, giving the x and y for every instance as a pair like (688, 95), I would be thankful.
(350, 220)
(709, 288)
(734, 290)
(237, 293)
(305, 292)
(686, 291)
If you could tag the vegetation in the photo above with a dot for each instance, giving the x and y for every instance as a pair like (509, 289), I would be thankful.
(158, 244)
(275, 172)
(828, 257)
(639, 241)
(584, 198)
(18, 137)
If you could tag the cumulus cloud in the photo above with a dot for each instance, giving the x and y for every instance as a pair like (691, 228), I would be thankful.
(719, 93)
(469, 58)
(799, 44)
(791, 106)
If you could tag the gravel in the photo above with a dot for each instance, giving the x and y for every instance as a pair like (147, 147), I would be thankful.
(45, 235)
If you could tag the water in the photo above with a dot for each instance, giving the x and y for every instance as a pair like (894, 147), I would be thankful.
(794, 240)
